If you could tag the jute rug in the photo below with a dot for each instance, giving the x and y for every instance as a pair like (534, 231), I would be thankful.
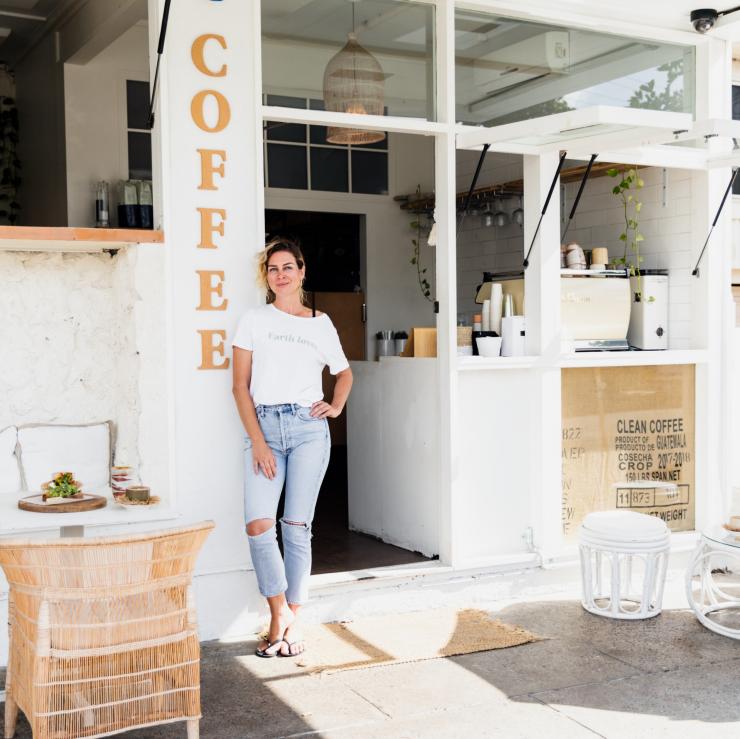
(405, 637)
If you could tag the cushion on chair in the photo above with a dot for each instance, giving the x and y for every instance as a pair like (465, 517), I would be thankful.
(84, 450)
(10, 471)
(625, 525)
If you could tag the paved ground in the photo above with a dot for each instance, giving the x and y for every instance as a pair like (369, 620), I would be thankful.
(665, 677)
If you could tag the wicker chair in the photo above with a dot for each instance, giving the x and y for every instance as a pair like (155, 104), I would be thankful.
(103, 633)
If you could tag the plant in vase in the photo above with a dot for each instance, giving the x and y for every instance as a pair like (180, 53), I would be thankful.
(648, 317)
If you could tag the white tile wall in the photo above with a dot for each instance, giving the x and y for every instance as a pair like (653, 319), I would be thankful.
(598, 222)
(667, 229)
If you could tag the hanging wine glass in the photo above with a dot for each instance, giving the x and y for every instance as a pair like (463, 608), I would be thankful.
(518, 215)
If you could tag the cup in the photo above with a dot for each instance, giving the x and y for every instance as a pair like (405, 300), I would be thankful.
(489, 346)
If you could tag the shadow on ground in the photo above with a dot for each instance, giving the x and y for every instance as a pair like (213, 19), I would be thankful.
(589, 676)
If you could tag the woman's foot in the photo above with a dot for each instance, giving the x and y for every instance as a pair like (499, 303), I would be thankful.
(279, 625)
(293, 643)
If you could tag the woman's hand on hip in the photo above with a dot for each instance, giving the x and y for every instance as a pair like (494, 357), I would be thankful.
(322, 409)
(263, 459)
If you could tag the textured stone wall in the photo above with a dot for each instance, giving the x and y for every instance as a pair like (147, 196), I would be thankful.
(68, 342)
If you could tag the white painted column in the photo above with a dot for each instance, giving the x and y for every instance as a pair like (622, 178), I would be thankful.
(446, 282)
(542, 286)
(711, 297)
(209, 101)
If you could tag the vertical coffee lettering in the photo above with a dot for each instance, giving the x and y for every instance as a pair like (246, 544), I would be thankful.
(208, 226)
(208, 289)
(208, 167)
(211, 348)
(197, 54)
(197, 111)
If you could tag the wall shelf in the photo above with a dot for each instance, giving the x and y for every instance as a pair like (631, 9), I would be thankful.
(69, 239)
(468, 364)
(634, 358)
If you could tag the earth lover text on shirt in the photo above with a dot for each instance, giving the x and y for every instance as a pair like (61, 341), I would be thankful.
(289, 354)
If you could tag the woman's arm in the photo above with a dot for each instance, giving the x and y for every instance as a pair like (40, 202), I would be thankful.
(262, 456)
(343, 385)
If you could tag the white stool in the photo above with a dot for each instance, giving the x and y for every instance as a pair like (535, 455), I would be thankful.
(613, 545)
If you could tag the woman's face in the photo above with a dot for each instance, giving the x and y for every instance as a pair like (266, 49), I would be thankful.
(283, 275)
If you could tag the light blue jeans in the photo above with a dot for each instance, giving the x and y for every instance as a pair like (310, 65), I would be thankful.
(301, 447)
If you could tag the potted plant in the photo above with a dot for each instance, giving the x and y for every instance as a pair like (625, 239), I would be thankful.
(648, 314)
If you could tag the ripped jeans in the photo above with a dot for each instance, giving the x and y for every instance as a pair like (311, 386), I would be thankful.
(301, 447)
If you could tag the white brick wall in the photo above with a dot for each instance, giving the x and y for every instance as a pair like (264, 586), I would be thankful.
(69, 342)
(481, 249)
(667, 229)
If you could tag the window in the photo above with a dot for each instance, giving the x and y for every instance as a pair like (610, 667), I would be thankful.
(299, 157)
(139, 135)
(510, 70)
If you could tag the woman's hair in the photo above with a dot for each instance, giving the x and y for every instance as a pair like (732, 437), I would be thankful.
(273, 247)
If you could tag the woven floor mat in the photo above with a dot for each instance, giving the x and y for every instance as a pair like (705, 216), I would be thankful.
(405, 637)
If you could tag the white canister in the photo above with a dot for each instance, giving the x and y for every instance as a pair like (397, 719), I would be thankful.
(486, 316)
(513, 336)
(497, 304)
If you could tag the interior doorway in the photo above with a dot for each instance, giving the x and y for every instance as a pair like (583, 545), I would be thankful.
(332, 244)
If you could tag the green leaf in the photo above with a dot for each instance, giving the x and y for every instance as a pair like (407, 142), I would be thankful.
(638, 206)
(640, 182)
(612, 172)
(413, 260)
(631, 173)
(623, 237)
(629, 198)
(639, 238)
(615, 190)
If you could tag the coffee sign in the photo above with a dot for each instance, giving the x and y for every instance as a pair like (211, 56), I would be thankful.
(628, 443)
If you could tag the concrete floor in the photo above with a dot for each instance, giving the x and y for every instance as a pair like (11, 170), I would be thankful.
(589, 676)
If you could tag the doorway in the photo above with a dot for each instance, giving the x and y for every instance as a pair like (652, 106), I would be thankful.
(332, 244)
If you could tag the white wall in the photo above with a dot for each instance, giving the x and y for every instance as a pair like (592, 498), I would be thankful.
(67, 317)
(485, 249)
(394, 299)
(667, 229)
(95, 112)
(41, 147)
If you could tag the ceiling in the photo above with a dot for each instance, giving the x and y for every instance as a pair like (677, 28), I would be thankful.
(23, 22)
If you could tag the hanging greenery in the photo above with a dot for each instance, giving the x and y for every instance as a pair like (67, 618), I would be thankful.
(10, 166)
(424, 284)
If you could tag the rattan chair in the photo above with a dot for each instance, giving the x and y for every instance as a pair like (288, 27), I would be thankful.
(103, 633)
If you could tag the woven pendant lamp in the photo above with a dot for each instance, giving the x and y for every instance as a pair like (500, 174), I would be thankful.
(353, 83)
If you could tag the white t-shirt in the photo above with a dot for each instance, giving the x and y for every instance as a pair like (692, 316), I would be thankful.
(289, 354)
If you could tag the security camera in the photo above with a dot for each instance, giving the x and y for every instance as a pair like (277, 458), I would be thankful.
(704, 19)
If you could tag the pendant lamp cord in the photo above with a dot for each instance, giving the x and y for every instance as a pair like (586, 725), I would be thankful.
(160, 49)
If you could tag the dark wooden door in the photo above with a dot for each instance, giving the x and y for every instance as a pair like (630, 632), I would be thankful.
(346, 312)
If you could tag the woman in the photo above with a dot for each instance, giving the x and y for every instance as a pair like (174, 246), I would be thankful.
(280, 351)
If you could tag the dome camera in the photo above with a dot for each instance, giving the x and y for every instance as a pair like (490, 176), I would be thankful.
(704, 19)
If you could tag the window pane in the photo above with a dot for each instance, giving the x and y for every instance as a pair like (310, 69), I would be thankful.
(329, 170)
(139, 156)
(137, 104)
(286, 101)
(510, 70)
(286, 166)
(277, 131)
(370, 172)
(736, 102)
(299, 40)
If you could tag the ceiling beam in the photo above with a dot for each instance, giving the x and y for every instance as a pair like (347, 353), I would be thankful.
(96, 25)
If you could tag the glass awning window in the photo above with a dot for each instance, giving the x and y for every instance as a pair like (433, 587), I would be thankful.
(581, 132)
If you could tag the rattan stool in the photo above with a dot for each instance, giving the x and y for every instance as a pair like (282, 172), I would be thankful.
(617, 549)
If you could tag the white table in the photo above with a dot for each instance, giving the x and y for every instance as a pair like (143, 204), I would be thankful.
(15, 522)
(716, 549)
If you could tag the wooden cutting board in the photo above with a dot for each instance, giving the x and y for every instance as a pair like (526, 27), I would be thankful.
(36, 504)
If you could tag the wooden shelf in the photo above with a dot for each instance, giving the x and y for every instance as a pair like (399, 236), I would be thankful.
(70, 239)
